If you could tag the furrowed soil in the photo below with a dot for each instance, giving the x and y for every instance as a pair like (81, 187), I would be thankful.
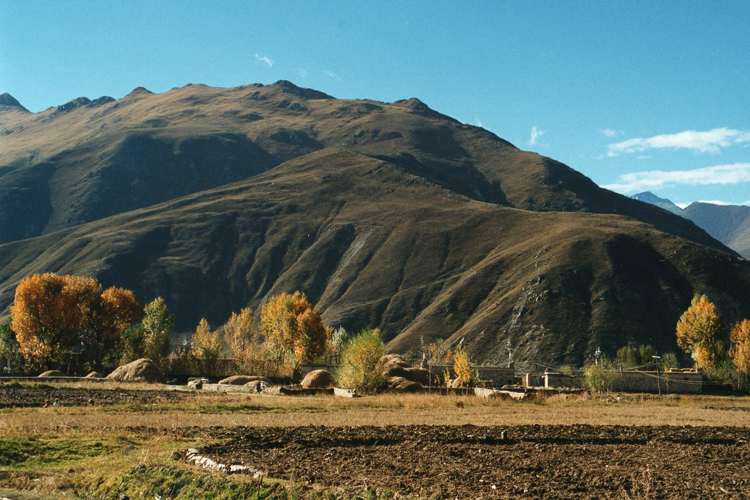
(535, 461)
(21, 396)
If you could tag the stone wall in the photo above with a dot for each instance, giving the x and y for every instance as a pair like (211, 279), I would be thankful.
(673, 381)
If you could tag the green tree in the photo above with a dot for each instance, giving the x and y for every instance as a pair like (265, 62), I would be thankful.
(11, 360)
(361, 366)
(157, 323)
(631, 356)
(699, 332)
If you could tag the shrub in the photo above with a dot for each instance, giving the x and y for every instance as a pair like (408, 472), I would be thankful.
(361, 362)
(599, 377)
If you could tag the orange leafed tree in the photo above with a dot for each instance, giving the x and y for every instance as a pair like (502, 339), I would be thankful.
(292, 327)
(699, 332)
(52, 314)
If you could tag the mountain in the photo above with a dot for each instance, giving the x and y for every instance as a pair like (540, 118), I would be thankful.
(387, 215)
(729, 224)
(649, 197)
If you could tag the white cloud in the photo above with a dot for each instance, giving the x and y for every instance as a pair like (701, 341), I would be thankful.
(719, 202)
(657, 179)
(535, 134)
(710, 141)
(608, 132)
(264, 60)
(479, 122)
(302, 72)
(331, 74)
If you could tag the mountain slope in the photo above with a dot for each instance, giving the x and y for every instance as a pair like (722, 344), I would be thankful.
(649, 197)
(87, 160)
(729, 224)
(374, 244)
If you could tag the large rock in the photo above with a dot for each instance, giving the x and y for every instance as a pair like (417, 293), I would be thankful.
(400, 384)
(318, 379)
(396, 366)
(140, 370)
(51, 373)
(94, 374)
(258, 385)
(242, 379)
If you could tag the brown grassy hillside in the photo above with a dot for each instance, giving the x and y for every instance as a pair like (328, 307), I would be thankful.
(376, 243)
(87, 160)
(729, 224)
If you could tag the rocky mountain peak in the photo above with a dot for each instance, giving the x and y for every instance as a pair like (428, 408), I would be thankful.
(8, 101)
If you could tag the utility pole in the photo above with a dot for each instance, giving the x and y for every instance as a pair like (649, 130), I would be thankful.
(658, 378)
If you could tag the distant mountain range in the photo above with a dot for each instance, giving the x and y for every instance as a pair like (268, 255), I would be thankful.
(729, 224)
(386, 215)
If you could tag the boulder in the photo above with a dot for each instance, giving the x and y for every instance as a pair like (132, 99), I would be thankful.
(51, 373)
(195, 384)
(94, 374)
(400, 384)
(393, 360)
(140, 370)
(241, 379)
(258, 385)
(318, 379)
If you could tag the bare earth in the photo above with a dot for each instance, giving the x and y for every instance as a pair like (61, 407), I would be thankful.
(578, 461)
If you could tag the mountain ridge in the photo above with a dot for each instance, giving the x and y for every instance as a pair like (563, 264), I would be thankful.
(387, 215)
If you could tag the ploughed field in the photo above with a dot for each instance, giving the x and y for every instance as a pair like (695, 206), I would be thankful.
(30, 396)
(534, 461)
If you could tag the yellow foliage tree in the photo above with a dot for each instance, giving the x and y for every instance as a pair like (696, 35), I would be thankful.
(292, 328)
(740, 349)
(52, 314)
(699, 332)
(238, 335)
(157, 322)
(206, 347)
(465, 374)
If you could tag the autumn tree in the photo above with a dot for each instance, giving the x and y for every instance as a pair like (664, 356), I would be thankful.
(740, 350)
(116, 311)
(361, 365)
(206, 347)
(53, 315)
(238, 335)
(699, 332)
(466, 375)
(292, 328)
(156, 324)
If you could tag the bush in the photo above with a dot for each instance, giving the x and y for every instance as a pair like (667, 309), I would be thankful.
(599, 377)
(361, 362)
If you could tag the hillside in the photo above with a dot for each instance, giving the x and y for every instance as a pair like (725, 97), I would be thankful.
(373, 244)
(729, 224)
(386, 215)
(90, 159)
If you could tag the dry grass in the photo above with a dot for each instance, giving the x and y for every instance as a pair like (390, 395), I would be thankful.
(207, 410)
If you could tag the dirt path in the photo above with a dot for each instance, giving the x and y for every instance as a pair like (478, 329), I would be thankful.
(576, 461)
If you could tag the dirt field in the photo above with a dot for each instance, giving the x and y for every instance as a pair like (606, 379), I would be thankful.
(30, 396)
(473, 462)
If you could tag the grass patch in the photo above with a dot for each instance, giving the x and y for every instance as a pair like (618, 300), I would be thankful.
(168, 481)
(37, 452)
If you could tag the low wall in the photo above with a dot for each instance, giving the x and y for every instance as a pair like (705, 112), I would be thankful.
(675, 381)
(499, 375)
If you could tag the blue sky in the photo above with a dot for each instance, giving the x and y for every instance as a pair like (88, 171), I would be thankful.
(636, 95)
